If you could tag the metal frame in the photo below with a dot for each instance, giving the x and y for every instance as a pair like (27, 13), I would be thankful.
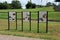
(29, 20)
(9, 21)
(46, 23)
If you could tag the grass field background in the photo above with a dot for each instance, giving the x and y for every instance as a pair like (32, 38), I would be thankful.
(52, 15)
(53, 27)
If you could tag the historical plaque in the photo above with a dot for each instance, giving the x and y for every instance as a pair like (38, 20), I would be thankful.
(12, 16)
(26, 16)
(42, 16)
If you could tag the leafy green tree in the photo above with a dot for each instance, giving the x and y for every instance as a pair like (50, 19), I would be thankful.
(33, 5)
(30, 5)
(53, 4)
(49, 4)
(15, 4)
(1, 6)
(6, 5)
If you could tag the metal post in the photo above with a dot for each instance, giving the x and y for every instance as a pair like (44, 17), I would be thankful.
(22, 20)
(38, 23)
(30, 21)
(16, 20)
(8, 22)
(47, 23)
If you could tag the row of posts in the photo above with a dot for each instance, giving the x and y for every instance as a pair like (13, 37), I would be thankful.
(29, 21)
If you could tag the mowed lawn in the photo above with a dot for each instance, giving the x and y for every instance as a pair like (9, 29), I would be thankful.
(51, 15)
(53, 27)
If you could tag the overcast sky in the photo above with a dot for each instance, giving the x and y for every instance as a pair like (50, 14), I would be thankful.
(24, 2)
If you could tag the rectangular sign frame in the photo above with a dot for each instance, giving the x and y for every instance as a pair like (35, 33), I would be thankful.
(27, 21)
(12, 20)
(46, 22)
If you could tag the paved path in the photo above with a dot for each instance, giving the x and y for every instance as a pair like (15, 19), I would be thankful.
(7, 37)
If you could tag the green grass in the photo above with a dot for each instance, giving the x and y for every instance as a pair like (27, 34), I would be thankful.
(32, 10)
(53, 34)
(54, 15)
(51, 15)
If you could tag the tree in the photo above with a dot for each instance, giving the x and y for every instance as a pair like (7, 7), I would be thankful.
(1, 6)
(30, 5)
(53, 4)
(49, 4)
(6, 5)
(33, 5)
(15, 4)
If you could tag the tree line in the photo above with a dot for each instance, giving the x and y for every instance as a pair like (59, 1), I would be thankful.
(17, 5)
(12, 5)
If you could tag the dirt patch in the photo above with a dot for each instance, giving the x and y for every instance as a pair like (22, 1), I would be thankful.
(7, 37)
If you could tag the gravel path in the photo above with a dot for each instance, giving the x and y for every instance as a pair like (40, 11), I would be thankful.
(7, 37)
